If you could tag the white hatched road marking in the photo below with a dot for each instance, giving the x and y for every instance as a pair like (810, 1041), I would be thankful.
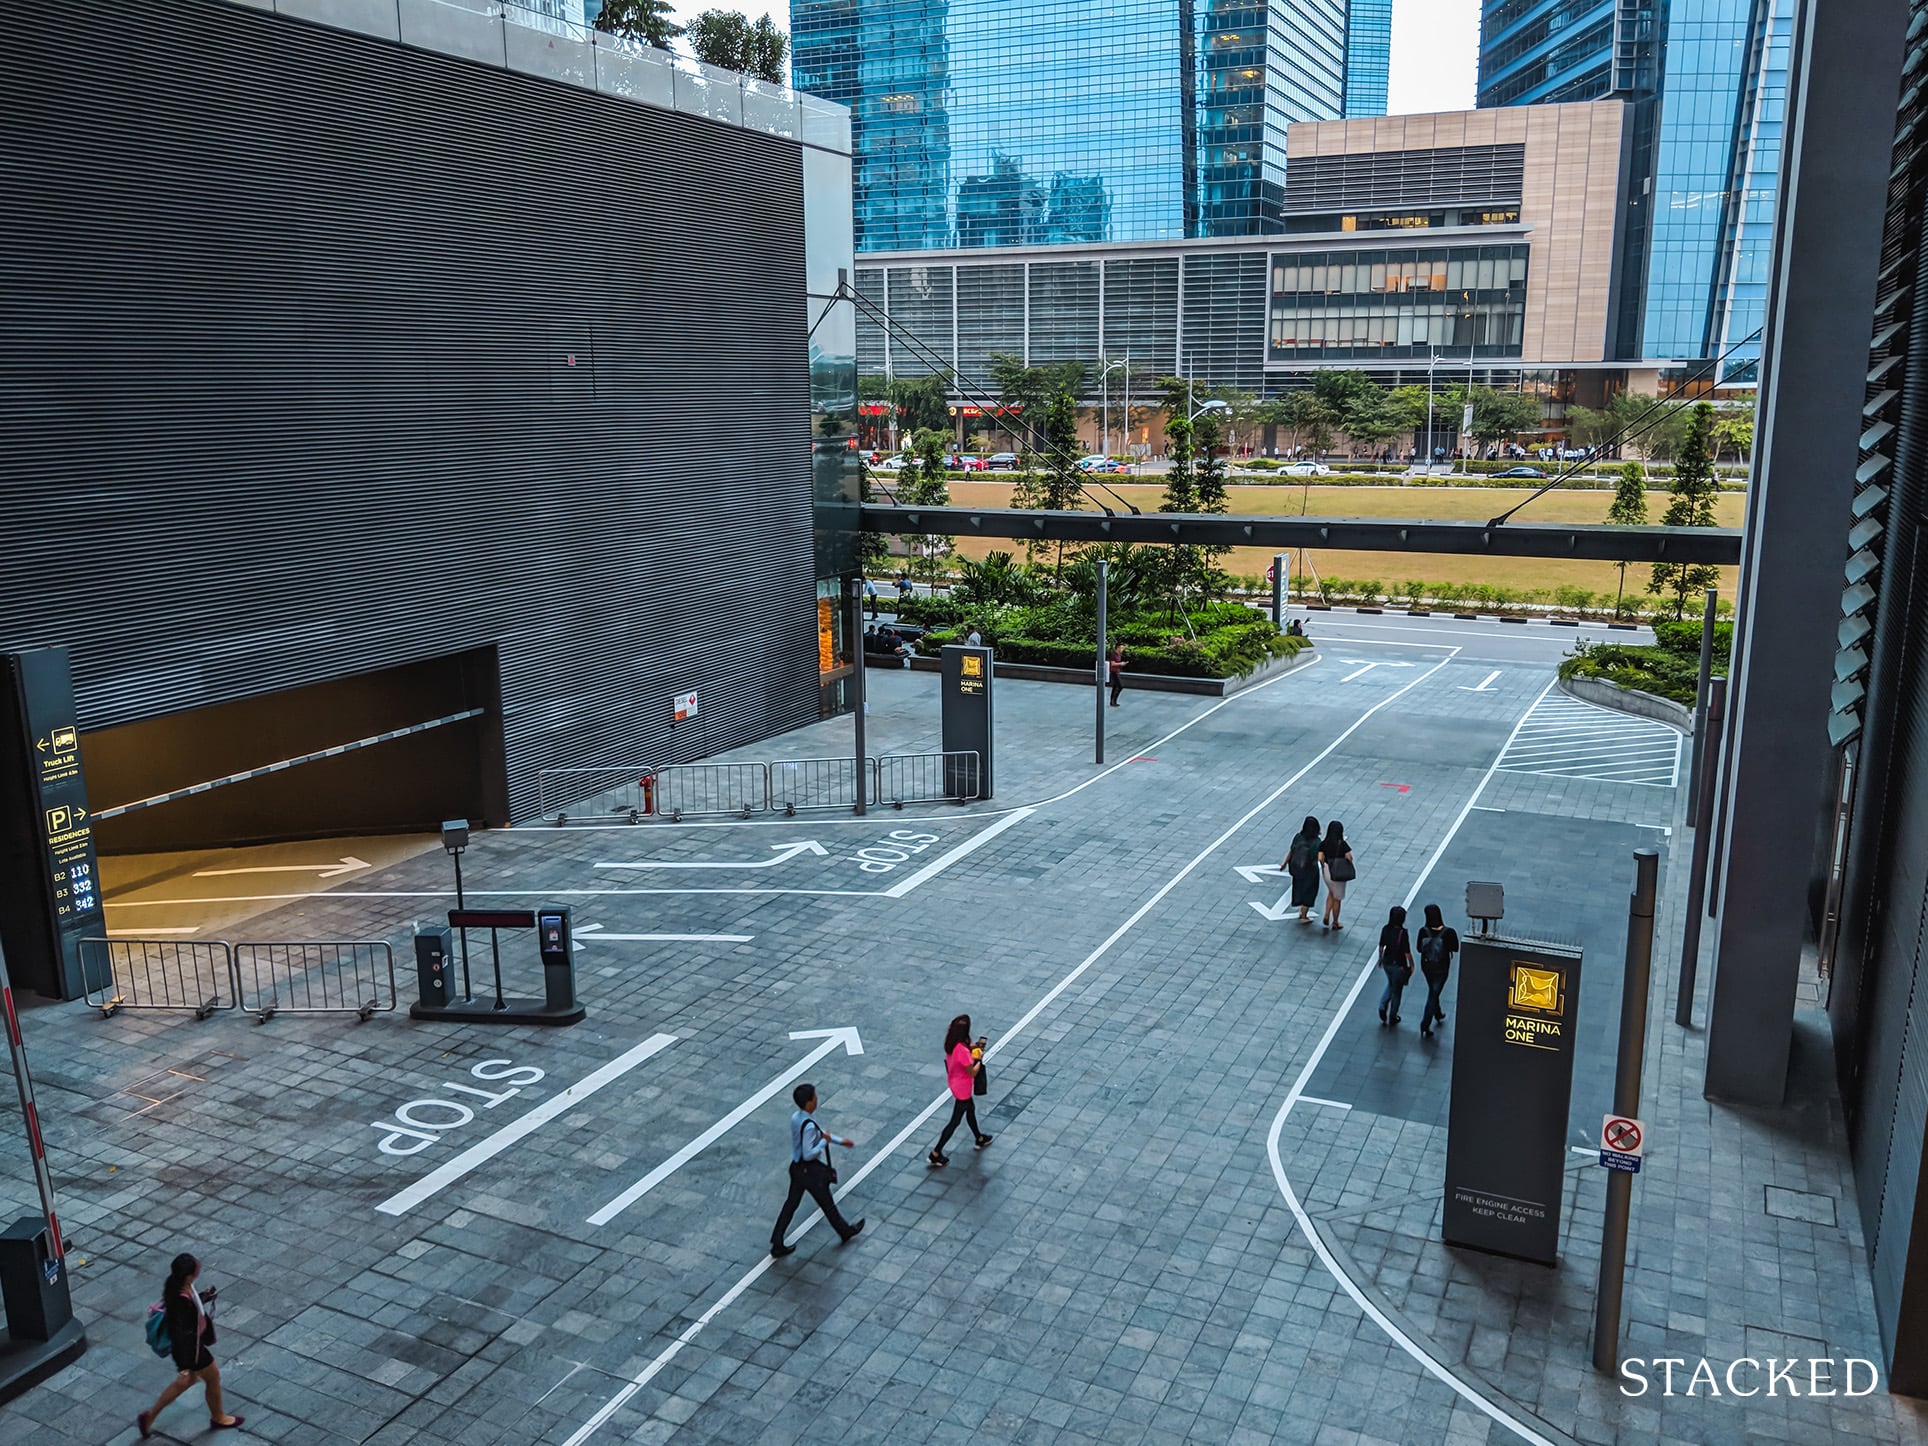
(1565, 738)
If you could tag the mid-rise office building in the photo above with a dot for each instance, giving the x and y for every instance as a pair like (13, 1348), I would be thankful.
(1476, 242)
(1706, 84)
(984, 123)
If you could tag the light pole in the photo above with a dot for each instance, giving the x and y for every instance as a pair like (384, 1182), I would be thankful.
(1104, 388)
(1217, 405)
(1432, 359)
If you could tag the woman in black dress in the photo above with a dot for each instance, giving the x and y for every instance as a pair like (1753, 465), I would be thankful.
(1302, 862)
(191, 1332)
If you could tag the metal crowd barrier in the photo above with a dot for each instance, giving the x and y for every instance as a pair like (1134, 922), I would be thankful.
(193, 976)
(315, 977)
(686, 789)
(926, 778)
(813, 783)
(592, 793)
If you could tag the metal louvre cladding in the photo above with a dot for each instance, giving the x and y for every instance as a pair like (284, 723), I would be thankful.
(321, 354)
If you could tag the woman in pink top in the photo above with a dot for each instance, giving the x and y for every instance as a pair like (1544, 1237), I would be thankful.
(963, 1063)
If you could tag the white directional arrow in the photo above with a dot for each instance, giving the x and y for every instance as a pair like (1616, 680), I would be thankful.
(1362, 666)
(596, 935)
(1259, 874)
(323, 871)
(1486, 684)
(846, 1038)
(783, 854)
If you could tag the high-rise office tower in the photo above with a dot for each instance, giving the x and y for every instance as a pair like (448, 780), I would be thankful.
(1708, 83)
(1030, 122)
(1368, 56)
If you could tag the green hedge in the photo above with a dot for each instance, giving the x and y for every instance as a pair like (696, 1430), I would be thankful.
(1670, 669)
(1229, 650)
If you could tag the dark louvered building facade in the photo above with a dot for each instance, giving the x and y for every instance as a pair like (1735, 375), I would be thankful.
(351, 381)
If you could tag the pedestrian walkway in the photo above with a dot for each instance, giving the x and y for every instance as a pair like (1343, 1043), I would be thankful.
(1566, 738)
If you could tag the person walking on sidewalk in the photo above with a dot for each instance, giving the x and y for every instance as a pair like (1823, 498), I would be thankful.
(187, 1316)
(1302, 863)
(1396, 959)
(1437, 945)
(811, 1171)
(1117, 662)
(1337, 869)
(964, 1072)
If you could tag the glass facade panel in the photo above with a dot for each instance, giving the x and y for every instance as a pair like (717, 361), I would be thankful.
(1064, 311)
(921, 304)
(990, 317)
(1368, 56)
(1141, 312)
(1393, 305)
(1024, 122)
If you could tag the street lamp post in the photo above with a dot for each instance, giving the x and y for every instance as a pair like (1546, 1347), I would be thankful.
(1104, 389)
(1432, 359)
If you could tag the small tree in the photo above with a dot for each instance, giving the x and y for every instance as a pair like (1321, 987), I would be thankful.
(645, 20)
(921, 403)
(1207, 576)
(1058, 487)
(1694, 489)
(766, 52)
(1629, 510)
(1175, 564)
(729, 41)
(1499, 415)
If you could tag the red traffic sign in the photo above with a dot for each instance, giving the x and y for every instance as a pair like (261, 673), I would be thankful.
(1622, 1142)
(1622, 1136)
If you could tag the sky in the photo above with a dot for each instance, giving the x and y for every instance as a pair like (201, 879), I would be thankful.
(1435, 55)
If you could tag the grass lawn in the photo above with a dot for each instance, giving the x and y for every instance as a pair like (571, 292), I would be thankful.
(1456, 504)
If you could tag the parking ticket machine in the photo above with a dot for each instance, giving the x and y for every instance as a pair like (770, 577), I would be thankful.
(558, 958)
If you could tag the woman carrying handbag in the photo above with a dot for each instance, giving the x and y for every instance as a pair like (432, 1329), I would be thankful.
(964, 1072)
(1335, 864)
(1396, 958)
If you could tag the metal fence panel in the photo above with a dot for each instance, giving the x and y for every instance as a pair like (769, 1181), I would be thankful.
(797, 783)
(695, 788)
(195, 976)
(315, 977)
(591, 793)
(926, 778)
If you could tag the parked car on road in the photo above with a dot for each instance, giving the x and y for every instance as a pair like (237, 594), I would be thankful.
(1308, 469)
(1002, 462)
(891, 464)
(1098, 464)
(964, 462)
(1521, 472)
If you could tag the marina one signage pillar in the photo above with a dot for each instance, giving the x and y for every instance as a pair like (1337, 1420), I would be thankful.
(48, 873)
(968, 725)
(1506, 1144)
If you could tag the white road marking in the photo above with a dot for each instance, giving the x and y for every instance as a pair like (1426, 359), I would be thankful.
(144, 933)
(439, 1179)
(323, 871)
(833, 1039)
(690, 1332)
(784, 853)
(1430, 1363)
(1486, 684)
(1565, 738)
(970, 845)
(1329, 1104)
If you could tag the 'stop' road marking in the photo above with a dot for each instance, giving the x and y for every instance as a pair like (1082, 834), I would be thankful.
(402, 1201)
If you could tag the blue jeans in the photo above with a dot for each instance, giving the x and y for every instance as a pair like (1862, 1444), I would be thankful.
(1395, 991)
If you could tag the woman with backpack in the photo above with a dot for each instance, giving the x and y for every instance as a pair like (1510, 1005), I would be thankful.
(1335, 865)
(1302, 862)
(1396, 959)
(964, 1072)
(180, 1325)
(1437, 945)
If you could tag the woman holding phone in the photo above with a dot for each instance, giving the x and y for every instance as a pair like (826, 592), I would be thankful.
(963, 1068)
(190, 1331)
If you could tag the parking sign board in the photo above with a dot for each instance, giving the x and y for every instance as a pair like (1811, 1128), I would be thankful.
(1622, 1143)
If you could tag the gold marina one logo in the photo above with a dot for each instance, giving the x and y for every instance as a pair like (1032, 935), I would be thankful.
(1536, 1007)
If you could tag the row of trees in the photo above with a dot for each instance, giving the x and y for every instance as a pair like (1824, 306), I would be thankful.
(722, 38)
(1693, 489)
(1339, 404)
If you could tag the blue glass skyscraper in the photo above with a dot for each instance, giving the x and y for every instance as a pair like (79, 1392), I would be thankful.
(1708, 80)
(1368, 56)
(1033, 122)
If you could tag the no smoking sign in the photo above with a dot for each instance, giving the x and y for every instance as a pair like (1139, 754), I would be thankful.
(1622, 1142)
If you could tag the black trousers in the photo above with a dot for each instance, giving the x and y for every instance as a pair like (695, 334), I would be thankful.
(808, 1175)
(1117, 685)
(964, 1109)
